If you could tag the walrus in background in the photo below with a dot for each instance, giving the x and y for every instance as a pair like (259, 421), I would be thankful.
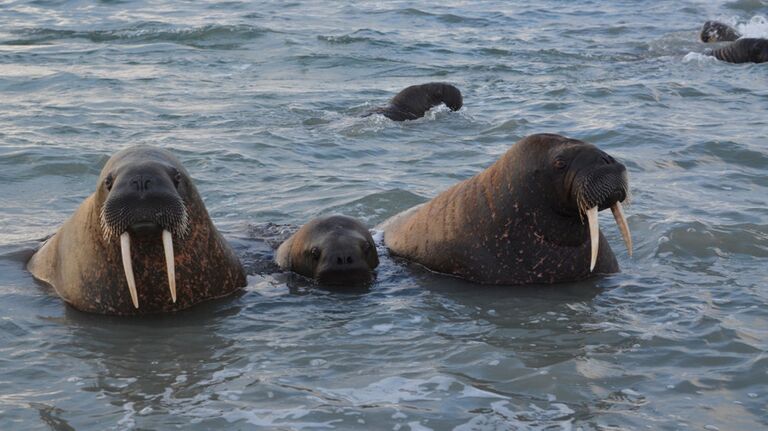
(522, 220)
(414, 101)
(744, 50)
(715, 31)
(144, 231)
(333, 250)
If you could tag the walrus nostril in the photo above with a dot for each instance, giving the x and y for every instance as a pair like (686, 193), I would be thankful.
(340, 261)
(349, 259)
(140, 183)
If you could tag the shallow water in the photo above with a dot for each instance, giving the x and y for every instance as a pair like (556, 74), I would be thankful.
(262, 103)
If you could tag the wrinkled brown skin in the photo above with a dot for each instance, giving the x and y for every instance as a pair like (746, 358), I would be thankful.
(413, 102)
(335, 236)
(87, 271)
(498, 226)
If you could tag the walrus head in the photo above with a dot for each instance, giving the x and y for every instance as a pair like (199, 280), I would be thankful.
(581, 180)
(140, 197)
(334, 250)
(714, 31)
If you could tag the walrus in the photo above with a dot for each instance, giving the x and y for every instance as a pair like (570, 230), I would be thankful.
(412, 102)
(530, 218)
(335, 250)
(742, 50)
(715, 31)
(142, 233)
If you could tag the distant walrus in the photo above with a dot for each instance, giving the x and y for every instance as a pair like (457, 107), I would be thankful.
(522, 220)
(332, 250)
(116, 254)
(744, 50)
(414, 101)
(715, 31)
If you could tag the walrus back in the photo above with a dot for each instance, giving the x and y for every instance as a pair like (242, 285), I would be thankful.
(746, 50)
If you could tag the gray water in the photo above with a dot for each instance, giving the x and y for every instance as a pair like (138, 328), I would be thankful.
(262, 103)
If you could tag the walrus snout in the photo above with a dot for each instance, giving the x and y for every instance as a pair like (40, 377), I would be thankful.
(347, 262)
(146, 205)
(604, 186)
(141, 200)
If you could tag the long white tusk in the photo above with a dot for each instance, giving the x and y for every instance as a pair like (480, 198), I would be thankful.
(594, 236)
(169, 263)
(621, 221)
(125, 249)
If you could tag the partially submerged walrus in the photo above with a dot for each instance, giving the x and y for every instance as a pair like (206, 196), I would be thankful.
(742, 50)
(531, 217)
(142, 233)
(412, 102)
(332, 249)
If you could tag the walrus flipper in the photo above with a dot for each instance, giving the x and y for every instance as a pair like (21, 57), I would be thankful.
(714, 31)
(414, 101)
(747, 50)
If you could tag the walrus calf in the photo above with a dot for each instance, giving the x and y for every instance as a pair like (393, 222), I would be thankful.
(522, 220)
(142, 233)
(414, 101)
(333, 250)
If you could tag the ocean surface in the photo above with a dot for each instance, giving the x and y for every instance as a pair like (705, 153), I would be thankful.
(262, 102)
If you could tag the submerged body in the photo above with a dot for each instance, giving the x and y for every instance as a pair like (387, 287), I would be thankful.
(144, 233)
(413, 102)
(333, 250)
(529, 218)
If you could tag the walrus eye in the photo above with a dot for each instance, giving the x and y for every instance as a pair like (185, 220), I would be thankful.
(560, 164)
(176, 178)
(108, 182)
(366, 247)
(315, 252)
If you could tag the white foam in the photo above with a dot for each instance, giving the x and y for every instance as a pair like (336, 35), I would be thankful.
(757, 27)
(698, 58)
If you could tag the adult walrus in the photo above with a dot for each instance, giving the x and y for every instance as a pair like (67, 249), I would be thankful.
(522, 220)
(333, 250)
(144, 231)
(412, 102)
(742, 50)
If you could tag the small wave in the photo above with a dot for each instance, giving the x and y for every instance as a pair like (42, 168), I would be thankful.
(359, 36)
(747, 5)
(208, 36)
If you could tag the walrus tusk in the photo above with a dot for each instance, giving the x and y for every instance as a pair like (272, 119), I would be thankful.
(621, 221)
(125, 249)
(169, 263)
(594, 236)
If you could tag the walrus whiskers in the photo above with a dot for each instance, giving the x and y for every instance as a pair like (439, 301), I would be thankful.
(125, 249)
